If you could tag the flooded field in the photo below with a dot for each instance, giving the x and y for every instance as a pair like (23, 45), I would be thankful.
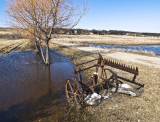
(29, 91)
(153, 48)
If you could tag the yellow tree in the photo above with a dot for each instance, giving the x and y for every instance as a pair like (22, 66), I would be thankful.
(40, 17)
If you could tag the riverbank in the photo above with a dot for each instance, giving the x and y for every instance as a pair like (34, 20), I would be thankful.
(116, 54)
(122, 107)
(118, 107)
(30, 91)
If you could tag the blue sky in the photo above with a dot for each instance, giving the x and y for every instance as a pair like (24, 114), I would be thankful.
(3, 16)
(129, 15)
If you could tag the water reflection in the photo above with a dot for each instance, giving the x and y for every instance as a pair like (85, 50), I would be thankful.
(29, 90)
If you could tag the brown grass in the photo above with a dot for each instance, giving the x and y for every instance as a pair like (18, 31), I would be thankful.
(109, 39)
(14, 33)
(122, 107)
(119, 107)
(7, 45)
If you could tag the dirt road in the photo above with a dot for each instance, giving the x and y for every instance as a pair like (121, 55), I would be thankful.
(124, 56)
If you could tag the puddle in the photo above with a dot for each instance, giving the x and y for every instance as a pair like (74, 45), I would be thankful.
(31, 91)
(153, 48)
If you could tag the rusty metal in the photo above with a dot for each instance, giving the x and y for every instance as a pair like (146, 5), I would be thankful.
(128, 80)
(112, 80)
(78, 89)
(95, 79)
(108, 62)
(74, 91)
(102, 62)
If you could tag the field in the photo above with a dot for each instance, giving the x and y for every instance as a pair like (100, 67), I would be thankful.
(122, 107)
(10, 39)
(119, 107)
(109, 39)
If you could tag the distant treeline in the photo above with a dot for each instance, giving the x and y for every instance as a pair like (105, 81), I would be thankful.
(101, 32)
(82, 32)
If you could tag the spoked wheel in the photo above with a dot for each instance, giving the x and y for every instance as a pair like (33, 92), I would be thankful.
(110, 79)
(74, 92)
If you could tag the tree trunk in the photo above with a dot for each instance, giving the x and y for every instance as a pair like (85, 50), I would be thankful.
(47, 53)
(37, 47)
(42, 54)
(45, 57)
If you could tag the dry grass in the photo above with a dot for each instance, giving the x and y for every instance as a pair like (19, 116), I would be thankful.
(126, 108)
(12, 39)
(122, 107)
(119, 107)
(108, 39)
(14, 33)
(8, 30)
(7, 45)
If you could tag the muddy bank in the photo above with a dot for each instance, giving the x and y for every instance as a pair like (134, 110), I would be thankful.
(122, 107)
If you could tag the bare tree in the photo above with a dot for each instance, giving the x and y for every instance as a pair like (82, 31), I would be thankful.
(41, 17)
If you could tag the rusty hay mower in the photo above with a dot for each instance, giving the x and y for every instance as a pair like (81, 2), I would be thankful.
(77, 89)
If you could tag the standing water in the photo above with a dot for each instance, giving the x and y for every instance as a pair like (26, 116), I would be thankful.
(153, 48)
(29, 90)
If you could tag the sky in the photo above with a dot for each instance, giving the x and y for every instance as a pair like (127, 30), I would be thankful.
(127, 15)
(3, 15)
